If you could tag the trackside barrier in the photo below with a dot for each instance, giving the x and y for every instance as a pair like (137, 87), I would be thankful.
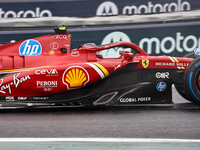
(74, 22)
(177, 39)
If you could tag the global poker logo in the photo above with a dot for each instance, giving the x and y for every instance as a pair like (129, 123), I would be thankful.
(161, 86)
(107, 8)
(112, 38)
(30, 47)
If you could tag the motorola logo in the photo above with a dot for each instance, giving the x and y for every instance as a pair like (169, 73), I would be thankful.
(37, 12)
(107, 8)
(178, 42)
(112, 38)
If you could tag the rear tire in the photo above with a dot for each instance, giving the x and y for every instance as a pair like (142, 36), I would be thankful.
(192, 81)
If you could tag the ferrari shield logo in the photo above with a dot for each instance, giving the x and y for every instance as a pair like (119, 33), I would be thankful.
(145, 63)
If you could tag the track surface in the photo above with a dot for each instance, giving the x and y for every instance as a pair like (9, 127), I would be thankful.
(178, 121)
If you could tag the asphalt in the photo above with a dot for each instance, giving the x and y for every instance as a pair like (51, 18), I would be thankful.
(177, 121)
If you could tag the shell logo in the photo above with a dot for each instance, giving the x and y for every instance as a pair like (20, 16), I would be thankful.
(75, 76)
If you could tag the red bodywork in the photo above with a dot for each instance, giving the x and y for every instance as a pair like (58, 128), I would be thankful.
(52, 71)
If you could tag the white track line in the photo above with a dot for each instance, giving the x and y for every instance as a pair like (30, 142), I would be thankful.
(116, 140)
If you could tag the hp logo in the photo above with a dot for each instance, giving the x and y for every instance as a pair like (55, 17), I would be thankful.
(30, 47)
(197, 51)
(161, 86)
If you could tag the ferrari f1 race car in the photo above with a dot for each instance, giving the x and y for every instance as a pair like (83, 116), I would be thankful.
(45, 72)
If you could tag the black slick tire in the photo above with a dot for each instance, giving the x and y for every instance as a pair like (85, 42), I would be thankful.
(192, 81)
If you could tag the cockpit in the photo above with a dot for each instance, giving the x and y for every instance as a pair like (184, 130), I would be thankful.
(107, 51)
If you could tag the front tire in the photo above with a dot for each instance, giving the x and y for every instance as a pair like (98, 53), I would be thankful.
(192, 81)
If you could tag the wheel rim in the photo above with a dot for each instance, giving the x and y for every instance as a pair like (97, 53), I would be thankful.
(197, 80)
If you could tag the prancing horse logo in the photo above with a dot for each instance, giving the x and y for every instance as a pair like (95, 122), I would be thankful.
(145, 63)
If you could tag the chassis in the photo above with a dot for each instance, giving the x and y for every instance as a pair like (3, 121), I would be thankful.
(44, 72)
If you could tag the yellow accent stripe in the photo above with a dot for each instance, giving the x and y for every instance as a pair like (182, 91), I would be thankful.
(24, 69)
(175, 59)
(177, 62)
(105, 71)
(182, 67)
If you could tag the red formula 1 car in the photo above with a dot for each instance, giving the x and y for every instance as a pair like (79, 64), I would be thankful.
(43, 72)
